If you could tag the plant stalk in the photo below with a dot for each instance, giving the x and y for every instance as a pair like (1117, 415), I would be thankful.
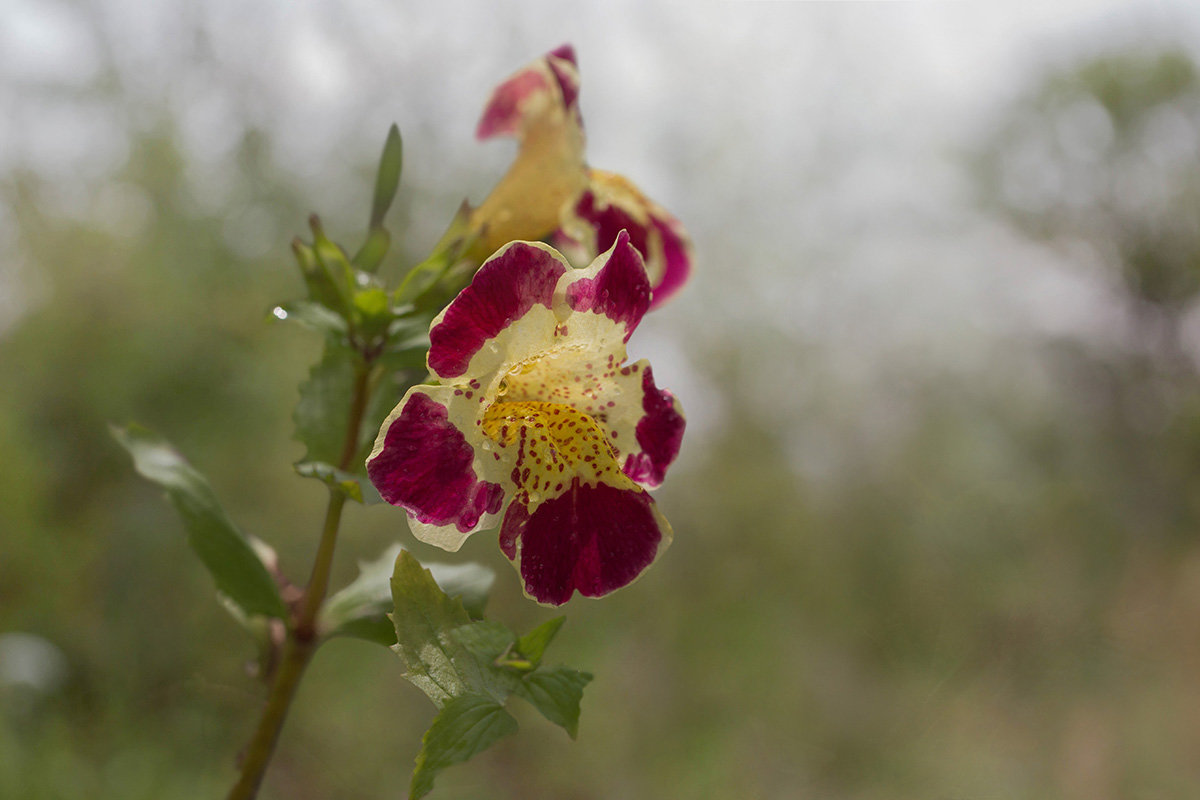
(302, 641)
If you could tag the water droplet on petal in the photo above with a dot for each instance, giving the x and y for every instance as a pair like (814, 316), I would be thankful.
(280, 312)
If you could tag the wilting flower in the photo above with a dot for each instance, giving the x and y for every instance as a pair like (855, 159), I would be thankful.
(550, 193)
(538, 423)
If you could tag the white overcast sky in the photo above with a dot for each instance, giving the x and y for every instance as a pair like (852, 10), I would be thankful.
(812, 148)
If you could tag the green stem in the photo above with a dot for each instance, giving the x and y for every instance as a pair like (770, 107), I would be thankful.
(302, 641)
(296, 655)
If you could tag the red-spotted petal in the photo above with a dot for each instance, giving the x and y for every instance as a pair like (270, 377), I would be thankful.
(518, 278)
(593, 538)
(423, 462)
(642, 423)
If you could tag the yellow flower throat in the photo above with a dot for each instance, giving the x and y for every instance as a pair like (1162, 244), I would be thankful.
(555, 444)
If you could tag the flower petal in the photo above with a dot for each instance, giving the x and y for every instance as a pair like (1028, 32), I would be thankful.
(509, 285)
(677, 256)
(549, 445)
(611, 204)
(539, 106)
(565, 66)
(658, 433)
(643, 424)
(423, 462)
(547, 86)
(615, 285)
(594, 539)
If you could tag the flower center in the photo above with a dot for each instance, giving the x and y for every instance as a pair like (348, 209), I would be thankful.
(554, 444)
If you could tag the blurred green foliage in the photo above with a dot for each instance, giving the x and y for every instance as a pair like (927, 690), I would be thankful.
(1105, 154)
(1003, 604)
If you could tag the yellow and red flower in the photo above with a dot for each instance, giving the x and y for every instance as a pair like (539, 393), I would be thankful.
(538, 423)
(550, 193)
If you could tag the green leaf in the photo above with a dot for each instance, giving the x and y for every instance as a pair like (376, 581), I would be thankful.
(312, 315)
(409, 358)
(388, 178)
(424, 617)
(371, 254)
(321, 287)
(422, 277)
(488, 642)
(372, 302)
(229, 555)
(471, 582)
(469, 669)
(466, 726)
(449, 249)
(323, 410)
(333, 265)
(533, 644)
(556, 693)
(361, 608)
(372, 311)
(324, 406)
(355, 487)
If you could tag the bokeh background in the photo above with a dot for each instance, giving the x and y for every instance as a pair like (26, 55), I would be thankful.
(938, 512)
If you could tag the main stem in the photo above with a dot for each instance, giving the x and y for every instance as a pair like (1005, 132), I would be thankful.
(302, 639)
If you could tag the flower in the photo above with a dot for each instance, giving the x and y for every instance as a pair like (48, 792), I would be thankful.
(611, 204)
(538, 423)
(550, 193)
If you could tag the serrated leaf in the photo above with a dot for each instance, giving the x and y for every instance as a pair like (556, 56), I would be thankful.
(556, 693)
(487, 642)
(324, 406)
(471, 582)
(466, 726)
(533, 644)
(226, 552)
(355, 487)
(424, 617)
(467, 669)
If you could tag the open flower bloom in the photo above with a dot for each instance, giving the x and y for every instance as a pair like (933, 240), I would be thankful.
(538, 423)
(550, 193)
